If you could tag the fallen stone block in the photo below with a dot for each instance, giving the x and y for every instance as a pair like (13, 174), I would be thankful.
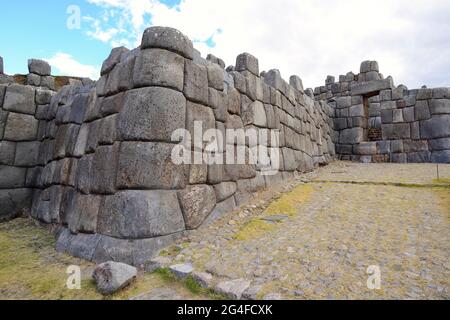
(182, 271)
(111, 277)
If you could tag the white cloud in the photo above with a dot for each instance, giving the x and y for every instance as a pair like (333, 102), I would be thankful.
(67, 65)
(409, 38)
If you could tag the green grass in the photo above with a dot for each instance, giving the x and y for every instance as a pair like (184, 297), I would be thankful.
(31, 269)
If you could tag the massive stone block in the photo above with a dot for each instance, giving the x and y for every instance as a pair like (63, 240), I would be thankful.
(255, 114)
(20, 127)
(152, 114)
(247, 62)
(27, 153)
(12, 177)
(169, 39)
(140, 214)
(440, 156)
(396, 131)
(204, 116)
(113, 59)
(225, 190)
(215, 76)
(196, 202)
(371, 86)
(7, 152)
(196, 82)
(440, 144)
(436, 127)
(440, 106)
(148, 165)
(157, 67)
(20, 99)
(103, 169)
(351, 136)
(39, 67)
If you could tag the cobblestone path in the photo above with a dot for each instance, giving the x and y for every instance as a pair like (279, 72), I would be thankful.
(318, 240)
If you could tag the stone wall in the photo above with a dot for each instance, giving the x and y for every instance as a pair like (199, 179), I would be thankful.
(21, 128)
(379, 122)
(105, 177)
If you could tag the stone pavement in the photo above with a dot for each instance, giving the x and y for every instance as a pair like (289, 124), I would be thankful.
(317, 240)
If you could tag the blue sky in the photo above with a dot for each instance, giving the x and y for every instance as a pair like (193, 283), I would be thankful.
(38, 29)
(409, 38)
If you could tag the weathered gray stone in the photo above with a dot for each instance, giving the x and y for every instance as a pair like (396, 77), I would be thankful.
(440, 156)
(196, 202)
(111, 277)
(356, 111)
(20, 98)
(255, 114)
(422, 111)
(397, 116)
(112, 104)
(27, 153)
(440, 106)
(371, 86)
(366, 148)
(7, 152)
(247, 62)
(205, 117)
(157, 67)
(296, 82)
(234, 101)
(14, 202)
(233, 289)
(12, 177)
(419, 157)
(415, 146)
(397, 146)
(396, 131)
(108, 130)
(218, 102)
(113, 59)
(215, 76)
(103, 169)
(440, 144)
(39, 67)
(408, 114)
(220, 210)
(21, 127)
(343, 102)
(436, 127)
(149, 165)
(225, 190)
(169, 39)
(182, 271)
(424, 94)
(239, 82)
(152, 114)
(140, 214)
(1, 65)
(273, 79)
(387, 116)
(351, 136)
(48, 82)
(196, 82)
(43, 96)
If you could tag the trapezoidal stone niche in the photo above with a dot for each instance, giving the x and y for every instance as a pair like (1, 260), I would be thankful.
(106, 180)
